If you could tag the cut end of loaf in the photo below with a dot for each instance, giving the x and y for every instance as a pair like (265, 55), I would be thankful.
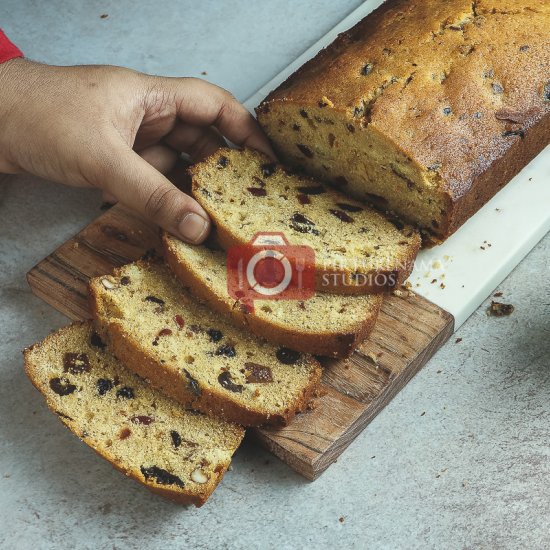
(319, 142)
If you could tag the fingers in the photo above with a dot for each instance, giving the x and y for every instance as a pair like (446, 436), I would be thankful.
(134, 182)
(161, 157)
(203, 104)
(198, 142)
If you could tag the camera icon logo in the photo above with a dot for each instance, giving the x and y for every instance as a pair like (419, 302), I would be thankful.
(269, 268)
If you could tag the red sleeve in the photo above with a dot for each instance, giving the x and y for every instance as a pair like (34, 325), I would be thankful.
(7, 49)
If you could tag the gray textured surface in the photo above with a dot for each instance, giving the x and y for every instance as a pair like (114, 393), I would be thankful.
(459, 459)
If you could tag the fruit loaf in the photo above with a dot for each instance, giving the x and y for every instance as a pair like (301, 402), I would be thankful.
(425, 108)
(179, 454)
(357, 250)
(326, 324)
(190, 353)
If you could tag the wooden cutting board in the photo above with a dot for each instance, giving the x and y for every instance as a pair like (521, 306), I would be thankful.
(408, 332)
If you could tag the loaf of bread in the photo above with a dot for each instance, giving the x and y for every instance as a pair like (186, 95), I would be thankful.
(357, 250)
(179, 454)
(325, 324)
(194, 355)
(426, 108)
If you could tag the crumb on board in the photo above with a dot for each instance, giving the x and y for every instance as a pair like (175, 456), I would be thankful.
(104, 16)
(204, 73)
(497, 294)
(458, 340)
(497, 309)
(341, 519)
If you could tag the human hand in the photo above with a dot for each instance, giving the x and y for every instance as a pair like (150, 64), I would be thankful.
(120, 131)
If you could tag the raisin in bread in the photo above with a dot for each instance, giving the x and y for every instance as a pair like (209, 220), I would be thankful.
(165, 335)
(426, 108)
(326, 324)
(179, 454)
(357, 250)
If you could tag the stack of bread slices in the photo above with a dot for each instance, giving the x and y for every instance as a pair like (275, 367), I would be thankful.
(172, 368)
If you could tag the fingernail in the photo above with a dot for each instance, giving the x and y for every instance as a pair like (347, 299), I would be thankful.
(193, 227)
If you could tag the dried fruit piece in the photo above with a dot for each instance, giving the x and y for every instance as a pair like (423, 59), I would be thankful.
(176, 439)
(287, 356)
(227, 350)
(497, 309)
(341, 215)
(367, 69)
(508, 133)
(161, 476)
(227, 382)
(104, 385)
(76, 363)
(125, 280)
(268, 168)
(142, 419)
(179, 321)
(311, 189)
(303, 199)
(223, 162)
(155, 300)
(306, 151)
(300, 223)
(257, 191)
(62, 386)
(165, 332)
(349, 207)
(125, 393)
(194, 386)
(257, 374)
(125, 433)
(215, 334)
(96, 341)
(447, 111)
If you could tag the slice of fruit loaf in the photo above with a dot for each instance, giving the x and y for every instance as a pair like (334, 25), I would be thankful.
(326, 324)
(192, 354)
(179, 454)
(357, 250)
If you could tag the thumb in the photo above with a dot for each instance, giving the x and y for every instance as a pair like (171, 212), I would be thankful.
(138, 185)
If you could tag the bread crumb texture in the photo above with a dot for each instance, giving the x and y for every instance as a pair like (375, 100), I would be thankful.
(178, 453)
(200, 358)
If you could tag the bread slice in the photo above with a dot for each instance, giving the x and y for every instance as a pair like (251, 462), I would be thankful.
(203, 361)
(357, 250)
(326, 324)
(179, 454)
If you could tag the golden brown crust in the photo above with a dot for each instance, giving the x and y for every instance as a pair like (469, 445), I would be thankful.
(212, 403)
(455, 84)
(330, 344)
(185, 496)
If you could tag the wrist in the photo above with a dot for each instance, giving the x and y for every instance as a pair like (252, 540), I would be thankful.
(13, 84)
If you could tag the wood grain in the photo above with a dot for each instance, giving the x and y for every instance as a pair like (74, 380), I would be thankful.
(408, 332)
